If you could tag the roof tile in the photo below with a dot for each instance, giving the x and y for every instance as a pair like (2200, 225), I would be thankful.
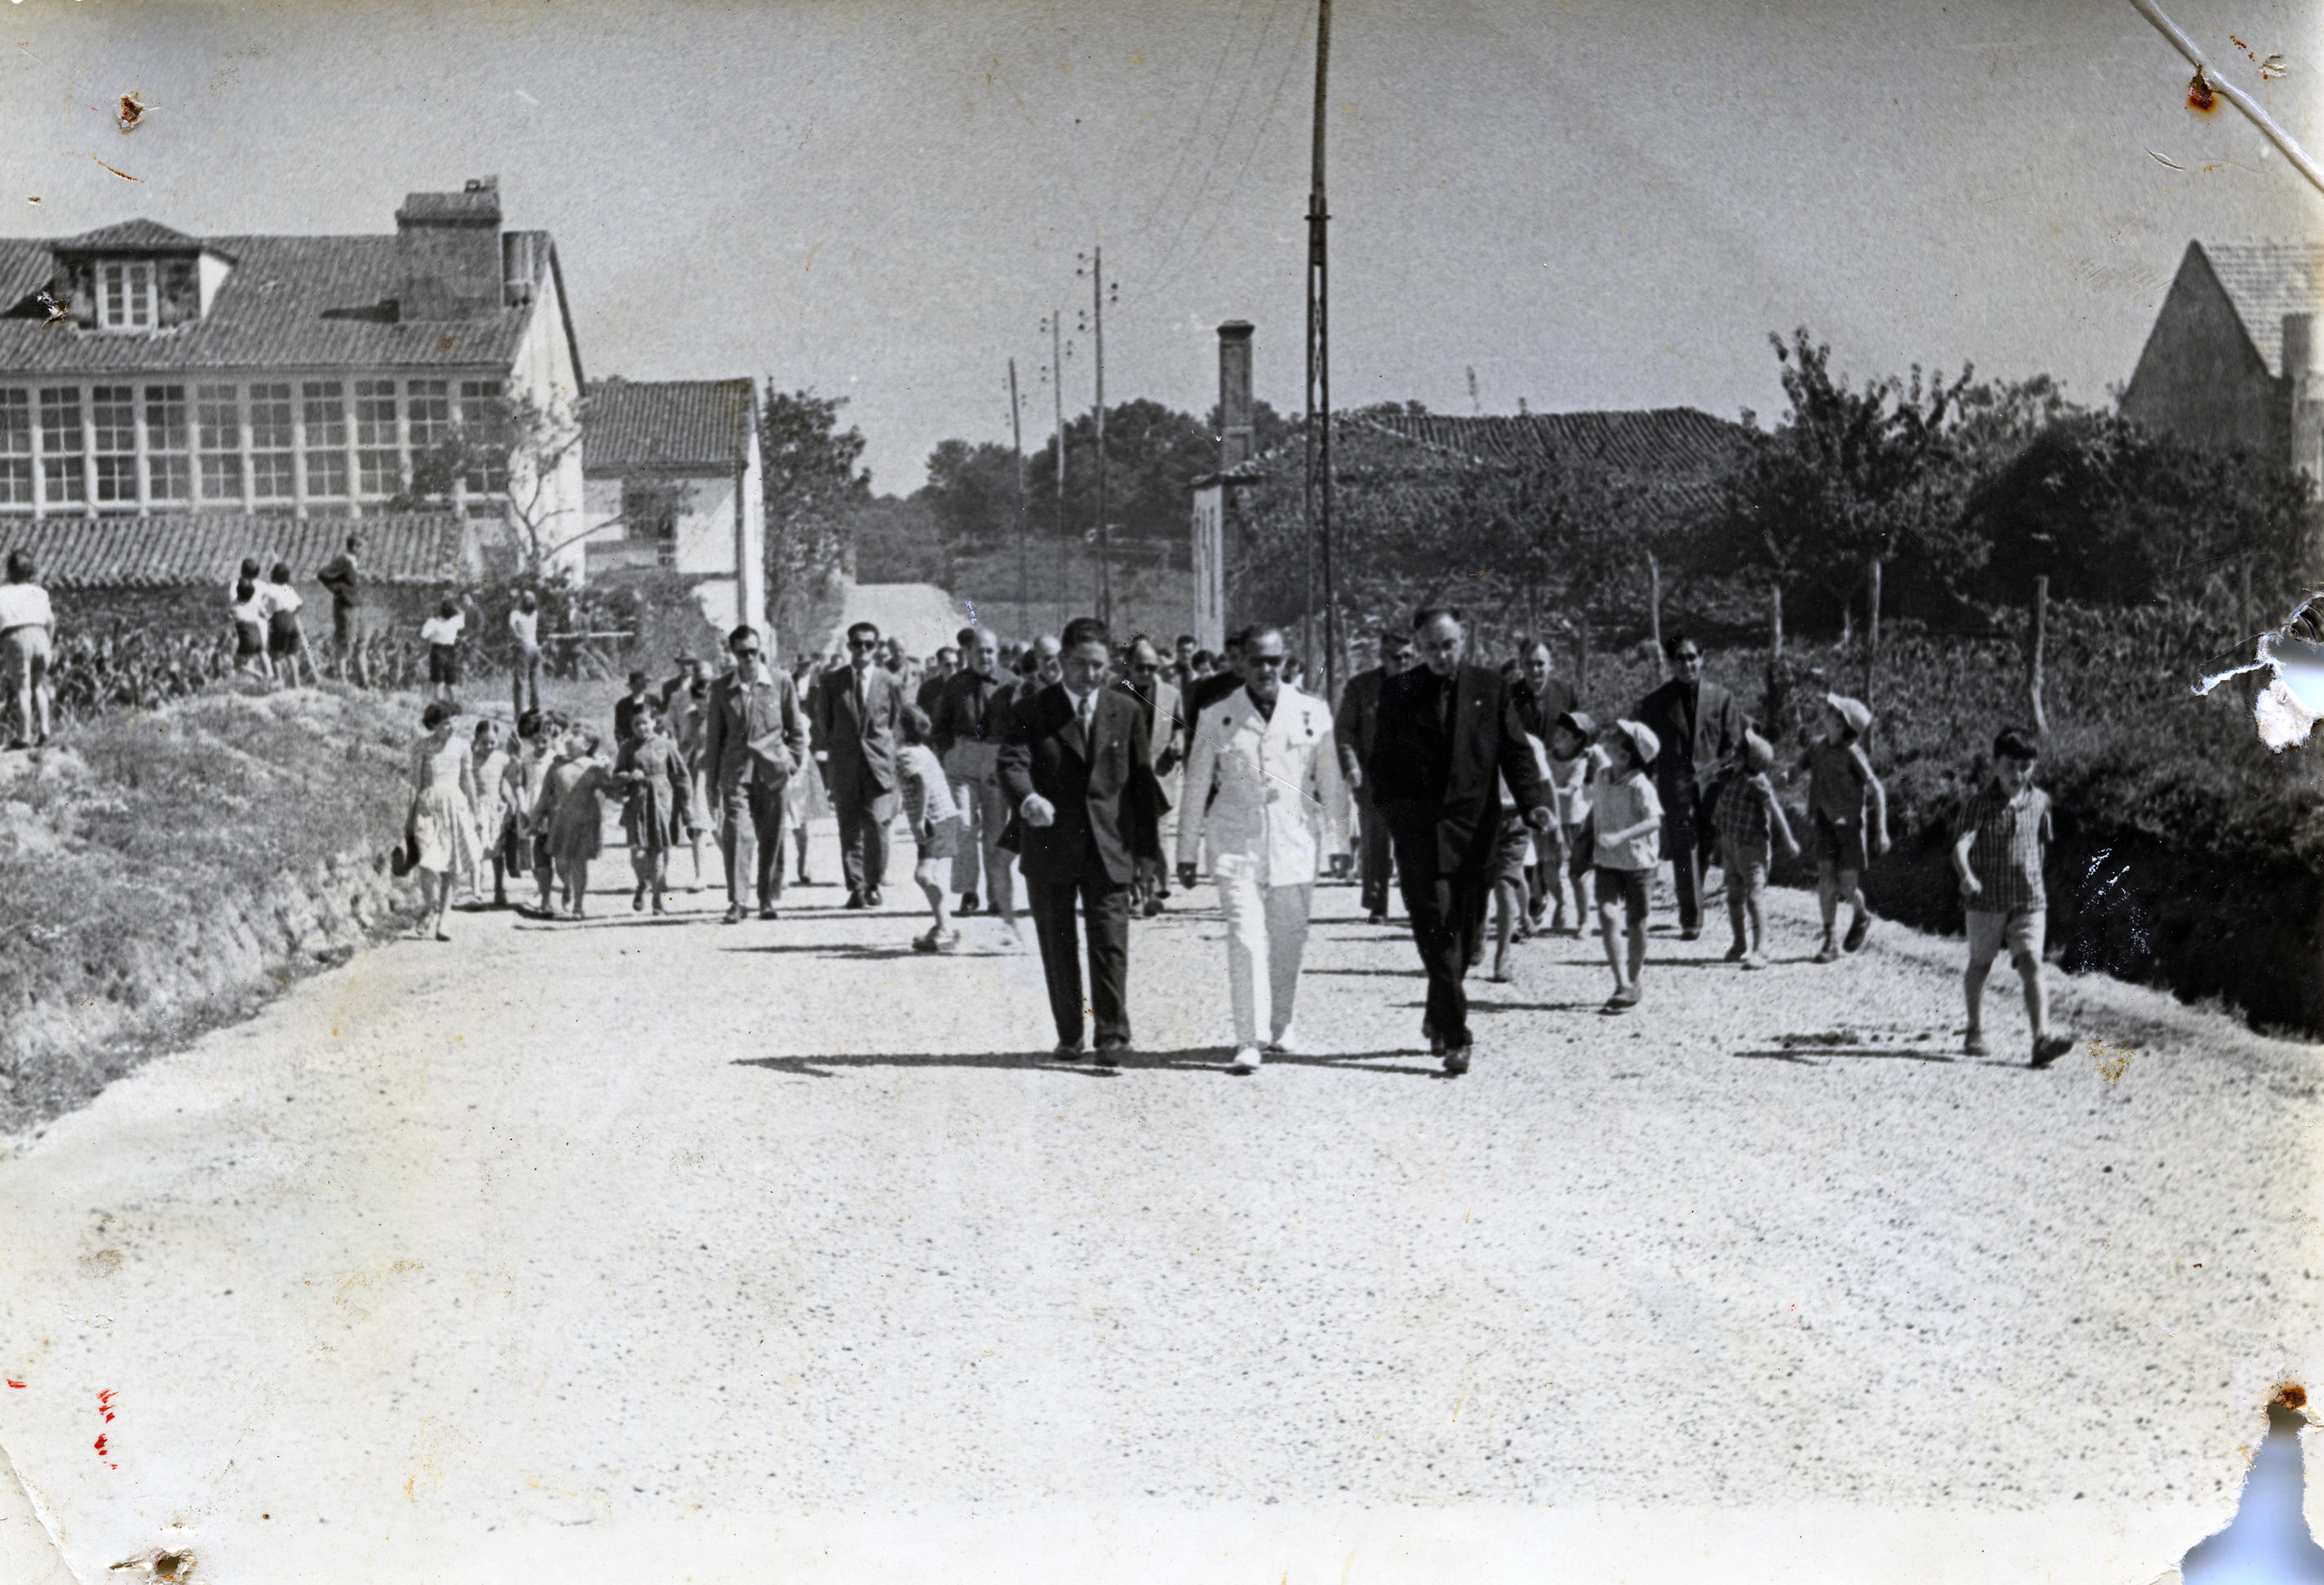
(175, 552)
(671, 423)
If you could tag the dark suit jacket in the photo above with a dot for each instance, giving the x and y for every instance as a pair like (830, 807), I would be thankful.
(756, 735)
(1356, 723)
(1419, 780)
(863, 747)
(1688, 760)
(1539, 711)
(1108, 804)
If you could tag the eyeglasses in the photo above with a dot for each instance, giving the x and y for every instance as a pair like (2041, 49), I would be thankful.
(862, 643)
(1267, 660)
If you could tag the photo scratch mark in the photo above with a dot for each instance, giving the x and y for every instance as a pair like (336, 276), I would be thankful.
(122, 174)
(2172, 163)
(131, 112)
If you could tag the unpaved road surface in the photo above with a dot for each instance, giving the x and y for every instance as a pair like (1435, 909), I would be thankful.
(657, 1251)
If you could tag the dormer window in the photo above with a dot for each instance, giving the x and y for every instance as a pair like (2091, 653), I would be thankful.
(126, 294)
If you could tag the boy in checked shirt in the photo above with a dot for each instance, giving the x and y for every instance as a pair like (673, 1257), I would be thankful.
(2004, 833)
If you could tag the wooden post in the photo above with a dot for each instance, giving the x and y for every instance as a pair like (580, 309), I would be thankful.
(2034, 663)
(1775, 699)
(1654, 612)
(1872, 633)
(1581, 651)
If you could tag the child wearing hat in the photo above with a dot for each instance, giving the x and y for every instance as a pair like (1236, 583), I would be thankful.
(1749, 820)
(2004, 832)
(1575, 761)
(1840, 785)
(1628, 816)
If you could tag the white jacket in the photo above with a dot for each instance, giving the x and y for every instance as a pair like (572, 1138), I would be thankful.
(1276, 779)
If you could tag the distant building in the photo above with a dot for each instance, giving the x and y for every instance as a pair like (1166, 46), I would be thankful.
(2231, 360)
(149, 374)
(673, 484)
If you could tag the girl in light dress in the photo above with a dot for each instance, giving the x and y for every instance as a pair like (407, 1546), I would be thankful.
(658, 802)
(492, 809)
(441, 826)
(572, 809)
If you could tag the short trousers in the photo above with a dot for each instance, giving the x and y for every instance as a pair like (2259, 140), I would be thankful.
(1578, 847)
(2021, 931)
(1513, 851)
(1752, 864)
(942, 840)
(444, 665)
(1631, 886)
(1747, 879)
(542, 859)
(249, 640)
(26, 650)
(283, 635)
(1838, 846)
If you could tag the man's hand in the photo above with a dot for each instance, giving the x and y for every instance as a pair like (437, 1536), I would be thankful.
(1880, 842)
(1541, 817)
(1972, 887)
(1353, 774)
(1036, 811)
(1187, 877)
(1168, 763)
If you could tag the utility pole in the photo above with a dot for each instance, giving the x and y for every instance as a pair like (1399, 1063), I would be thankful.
(1057, 388)
(1104, 536)
(1017, 440)
(1319, 379)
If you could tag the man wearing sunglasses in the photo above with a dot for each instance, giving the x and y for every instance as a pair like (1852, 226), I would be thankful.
(1354, 729)
(967, 723)
(854, 717)
(1699, 727)
(1147, 681)
(753, 740)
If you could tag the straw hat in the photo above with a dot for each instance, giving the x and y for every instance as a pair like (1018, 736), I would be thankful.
(1855, 711)
(1759, 753)
(1642, 739)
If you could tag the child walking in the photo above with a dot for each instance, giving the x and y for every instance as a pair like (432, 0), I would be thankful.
(571, 810)
(442, 633)
(1513, 864)
(1574, 763)
(1749, 822)
(659, 803)
(936, 825)
(1840, 784)
(2005, 834)
(1628, 819)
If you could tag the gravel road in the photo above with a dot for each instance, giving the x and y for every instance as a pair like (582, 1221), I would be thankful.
(651, 1250)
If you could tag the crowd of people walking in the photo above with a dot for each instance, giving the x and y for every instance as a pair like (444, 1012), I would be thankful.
(1094, 773)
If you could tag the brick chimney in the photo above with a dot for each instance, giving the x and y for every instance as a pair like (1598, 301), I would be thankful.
(1235, 438)
(448, 248)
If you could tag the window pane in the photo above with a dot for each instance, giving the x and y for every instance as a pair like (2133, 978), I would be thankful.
(428, 409)
(327, 472)
(113, 412)
(15, 480)
(165, 417)
(484, 420)
(61, 420)
(327, 418)
(116, 305)
(270, 417)
(141, 296)
(167, 478)
(15, 423)
(217, 420)
(374, 412)
(378, 473)
(116, 479)
(270, 475)
(222, 477)
(60, 478)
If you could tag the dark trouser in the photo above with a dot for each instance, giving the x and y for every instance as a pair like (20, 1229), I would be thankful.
(524, 674)
(1686, 840)
(751, 841)
(1447, 926)
(864, 816)
(1106, 907)
(1375, 855)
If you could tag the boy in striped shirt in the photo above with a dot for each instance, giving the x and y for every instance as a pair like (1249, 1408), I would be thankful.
(2004, 832)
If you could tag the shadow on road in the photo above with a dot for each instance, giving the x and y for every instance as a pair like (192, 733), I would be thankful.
(1208, 1060)
(1805, 1056)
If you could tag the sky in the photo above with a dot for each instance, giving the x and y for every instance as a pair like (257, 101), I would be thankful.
(1579, 205)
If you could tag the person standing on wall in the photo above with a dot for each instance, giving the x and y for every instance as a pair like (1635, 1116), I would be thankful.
(753, 743)
(342, 576)
(524, 661)
(1699, 727)
(1076, 768)
(1355, 730)
(854, 717)
(1270, 748)
(1448, 732)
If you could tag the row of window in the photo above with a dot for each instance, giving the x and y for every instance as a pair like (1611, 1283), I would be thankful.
(125, 446)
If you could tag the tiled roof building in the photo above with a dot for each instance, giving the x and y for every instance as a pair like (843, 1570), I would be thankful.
(673, 484)
(2231, 359)
(147, 374)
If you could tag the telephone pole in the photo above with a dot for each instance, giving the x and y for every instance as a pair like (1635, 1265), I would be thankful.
(1057, 388)
(1104, 537)
(1017, 440)
(1319, 379)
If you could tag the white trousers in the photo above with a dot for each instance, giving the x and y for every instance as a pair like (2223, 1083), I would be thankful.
(1267, 936)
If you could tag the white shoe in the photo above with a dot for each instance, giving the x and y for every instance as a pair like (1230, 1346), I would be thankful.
(1285, 1044)
(1247, 1061)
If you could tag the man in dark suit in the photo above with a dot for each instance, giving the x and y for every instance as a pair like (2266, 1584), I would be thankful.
(1077, 769)
(1446, 736)
(1221, 684)
(857, 709)
(754, 741)
(1699, 725)
(1354, 729)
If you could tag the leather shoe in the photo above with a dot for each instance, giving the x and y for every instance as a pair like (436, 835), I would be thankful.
(1108, 1050)
(1375, 917)
(854, 900)
(967, 903)
(770, 912)
(1456, 1061)
(872, 898)
(734, 916)
(1070, 1050)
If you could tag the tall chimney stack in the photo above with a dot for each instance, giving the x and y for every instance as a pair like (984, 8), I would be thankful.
(448, 252)
(2299, 345)
(1235, 442)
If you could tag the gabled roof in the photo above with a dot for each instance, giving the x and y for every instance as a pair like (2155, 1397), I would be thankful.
(665, 423)
(125, 234)
(269, 312)
(2265, 281)
(206, 549)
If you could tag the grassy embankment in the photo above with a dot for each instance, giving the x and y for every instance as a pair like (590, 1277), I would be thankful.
(162, 873)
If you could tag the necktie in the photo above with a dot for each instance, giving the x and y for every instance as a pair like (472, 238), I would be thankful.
(1444, 703)
(1083, 710)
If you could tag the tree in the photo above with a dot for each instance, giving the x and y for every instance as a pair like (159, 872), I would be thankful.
(1153, 455)
(812, 488)
(971, 492)
(514, 453)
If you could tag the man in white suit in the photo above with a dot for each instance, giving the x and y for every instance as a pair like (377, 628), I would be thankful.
(1269, 748)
